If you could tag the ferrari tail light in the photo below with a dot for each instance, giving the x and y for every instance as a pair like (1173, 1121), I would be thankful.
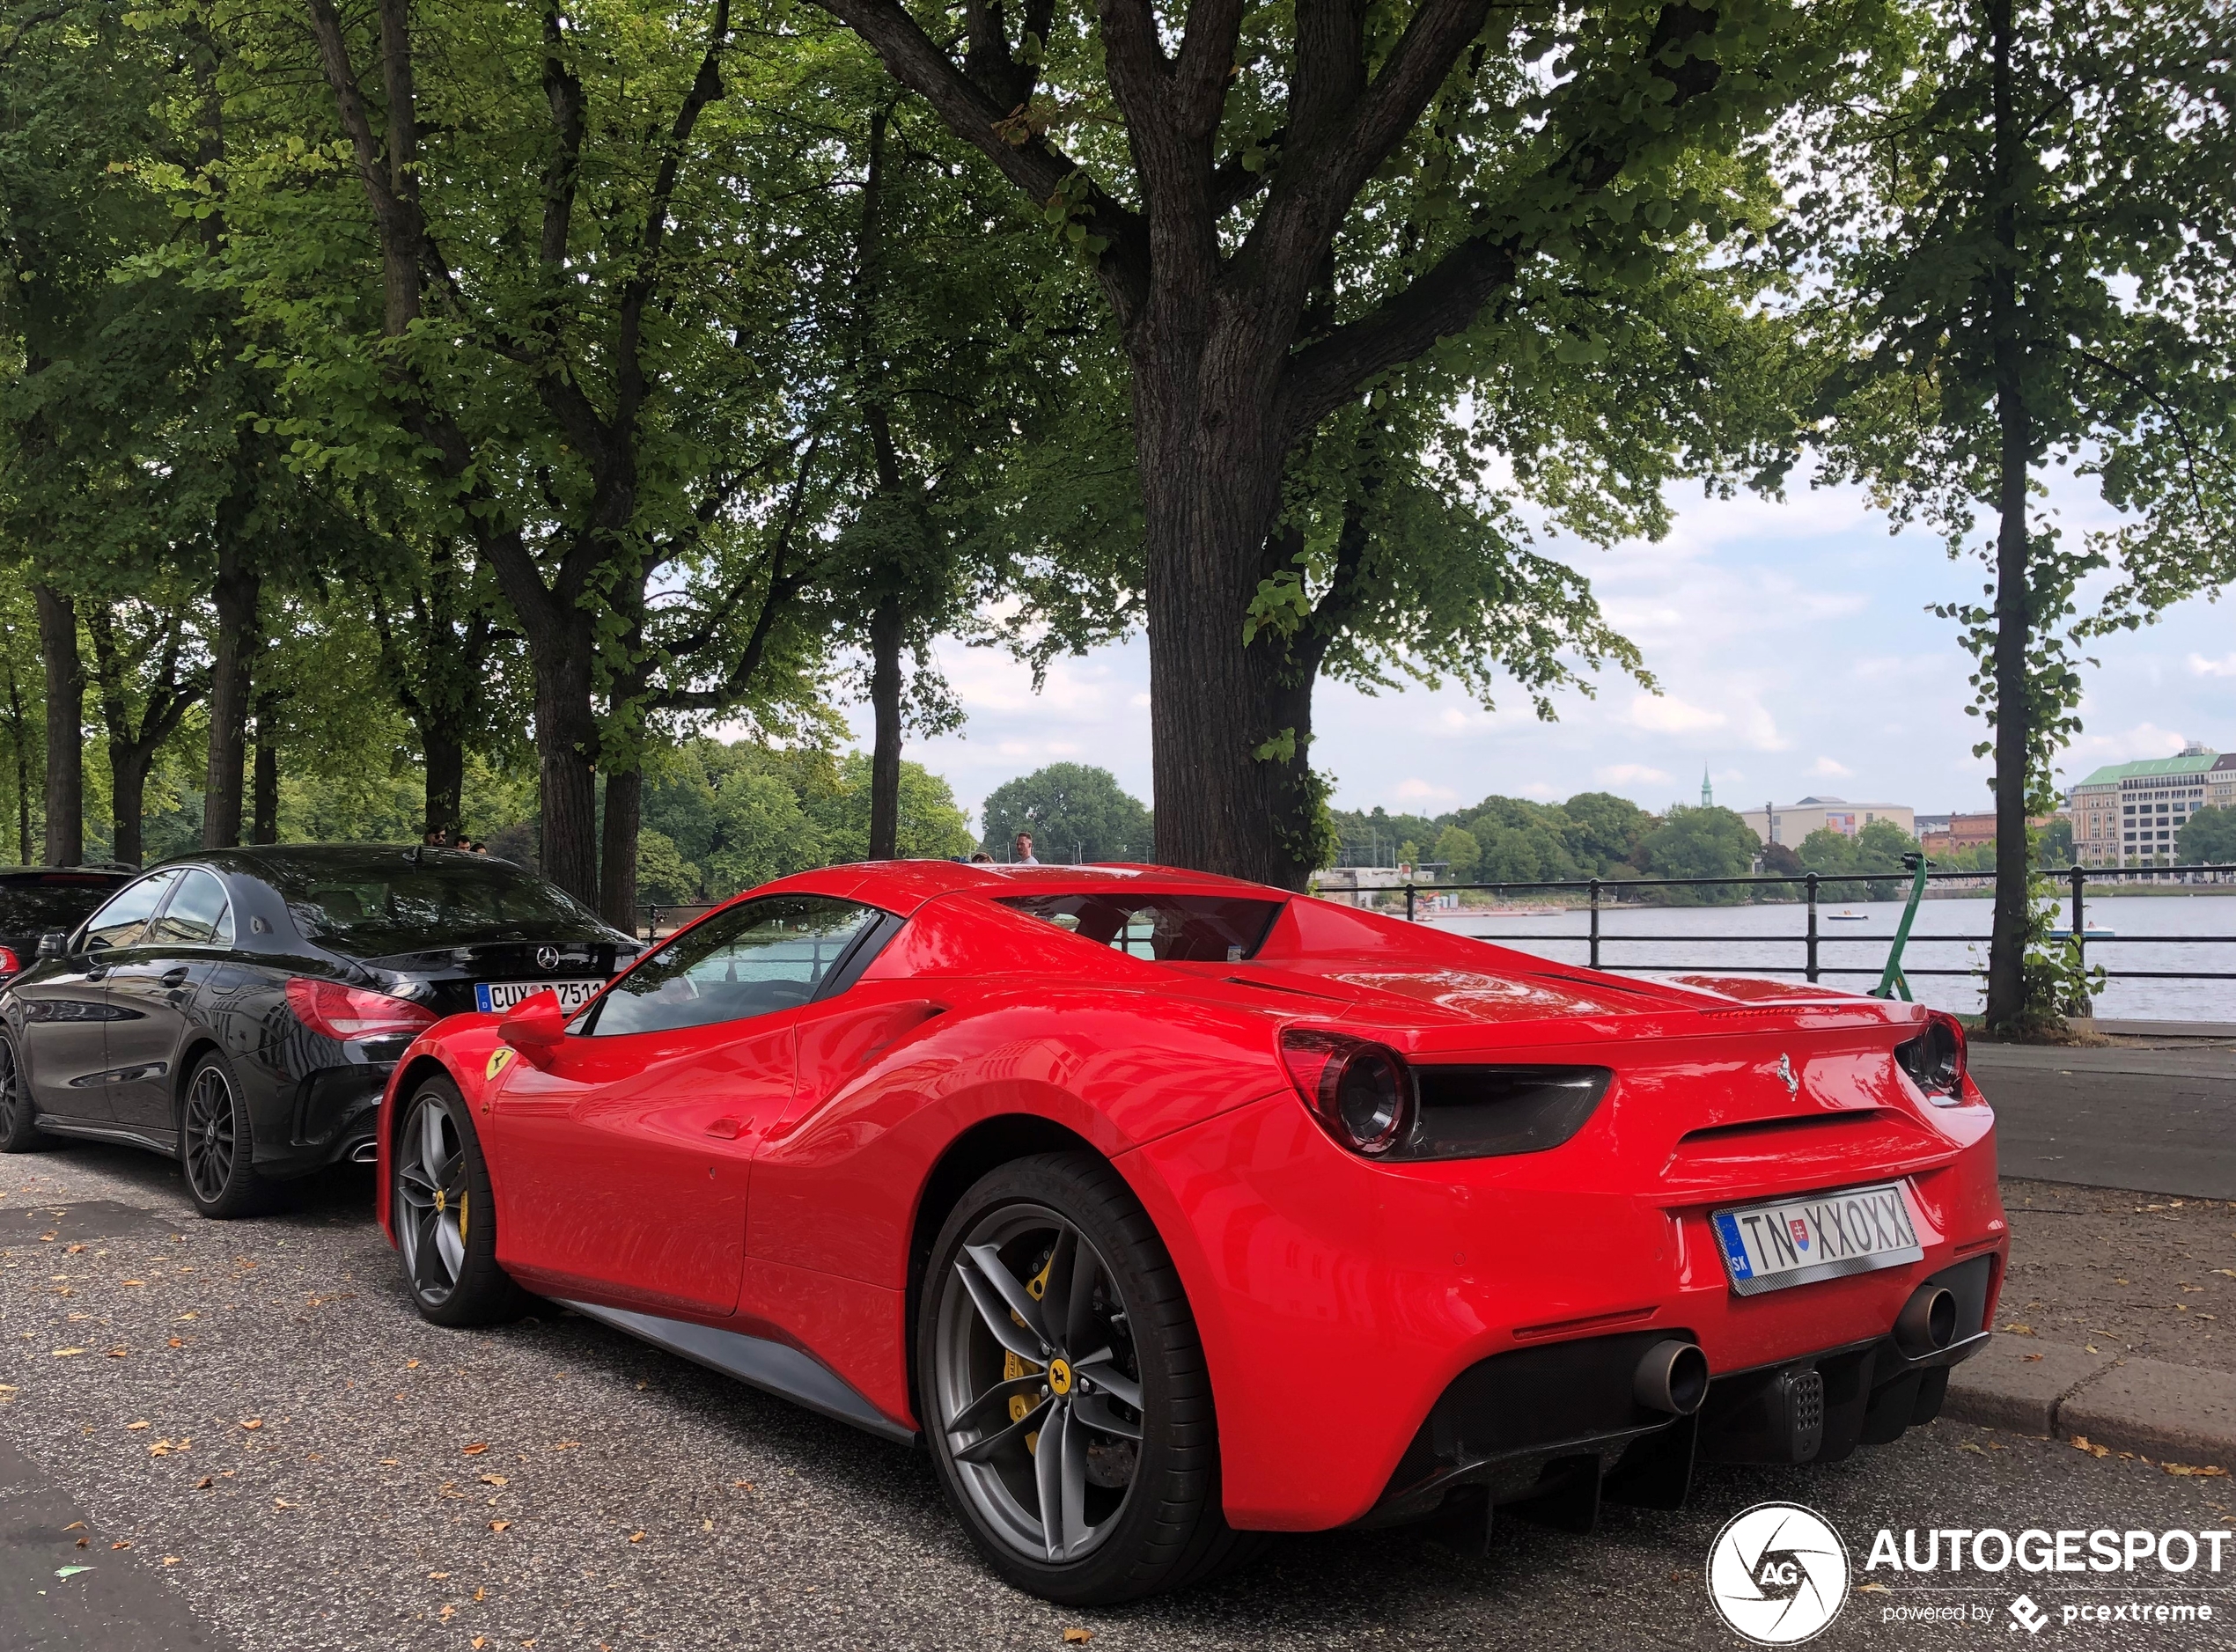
(335, 1011)
(9, 963)
(1935, 1059)
(1361, 1092)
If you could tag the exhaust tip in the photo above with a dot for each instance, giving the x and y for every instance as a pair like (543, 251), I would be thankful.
(365, 1152)
(1927, 1323)
(1673, 1377)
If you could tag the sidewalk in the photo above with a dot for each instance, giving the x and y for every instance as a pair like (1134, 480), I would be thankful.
(2117, 1325)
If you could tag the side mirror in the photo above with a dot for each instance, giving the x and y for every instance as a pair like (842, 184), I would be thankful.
(536, 1026)
(54, 944)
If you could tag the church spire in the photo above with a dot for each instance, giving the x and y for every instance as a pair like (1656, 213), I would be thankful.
(1707, 791)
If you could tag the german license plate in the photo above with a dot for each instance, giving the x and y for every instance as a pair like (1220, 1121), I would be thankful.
(492, 995)
(1824, 1236)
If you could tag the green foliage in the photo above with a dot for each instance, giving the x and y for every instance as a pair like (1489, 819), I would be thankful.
(2208, 837)
(1462, 855)
(1878, 847)
(1075, 812)
(1713, 842)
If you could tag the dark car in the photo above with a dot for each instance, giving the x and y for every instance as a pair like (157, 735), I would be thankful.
(242, 1007)
(39, 901)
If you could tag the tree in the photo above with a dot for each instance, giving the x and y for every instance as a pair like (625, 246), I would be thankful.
(1605, 831)
(1710, 842)
(1457, 848)
(145, 662)
(1284, 207)
(2031, 225)
(2207, 838)
(1075, 813)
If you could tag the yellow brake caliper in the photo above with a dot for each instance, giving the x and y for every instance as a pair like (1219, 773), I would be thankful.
(1014, 1367)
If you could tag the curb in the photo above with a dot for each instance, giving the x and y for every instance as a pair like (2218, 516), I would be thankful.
(2049, 1389)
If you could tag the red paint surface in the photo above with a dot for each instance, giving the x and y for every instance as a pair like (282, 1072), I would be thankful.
(768, 1175)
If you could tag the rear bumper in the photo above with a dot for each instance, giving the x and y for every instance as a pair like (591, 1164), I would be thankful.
(1325, 1286)
(323, 1119)
(1559, 1426)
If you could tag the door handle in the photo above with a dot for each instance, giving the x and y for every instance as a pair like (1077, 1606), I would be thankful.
(728, 1129)
(100, 972)
(176, 976)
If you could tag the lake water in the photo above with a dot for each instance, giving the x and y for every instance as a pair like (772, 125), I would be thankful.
(1755, 940)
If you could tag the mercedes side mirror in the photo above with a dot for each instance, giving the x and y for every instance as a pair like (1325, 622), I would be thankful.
(536, 1026)
(54, 944)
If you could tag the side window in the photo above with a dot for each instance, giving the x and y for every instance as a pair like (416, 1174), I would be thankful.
(761, 956)
(199, 914)
(123, 921)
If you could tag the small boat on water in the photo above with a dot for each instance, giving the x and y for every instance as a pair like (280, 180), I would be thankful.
(2089, 932)
(1848, 917)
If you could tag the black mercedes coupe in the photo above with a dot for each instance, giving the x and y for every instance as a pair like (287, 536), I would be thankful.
(241, 1009)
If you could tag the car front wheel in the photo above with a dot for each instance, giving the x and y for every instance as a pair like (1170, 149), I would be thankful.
(1065, 1390)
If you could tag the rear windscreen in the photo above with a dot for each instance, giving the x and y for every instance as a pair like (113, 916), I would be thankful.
(384, 904)
(30, 907)
(1168, 928)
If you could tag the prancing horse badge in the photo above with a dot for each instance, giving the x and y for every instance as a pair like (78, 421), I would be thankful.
(1785, 1072)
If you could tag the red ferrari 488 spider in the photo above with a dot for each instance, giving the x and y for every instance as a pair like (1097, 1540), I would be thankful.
(1166, 1209)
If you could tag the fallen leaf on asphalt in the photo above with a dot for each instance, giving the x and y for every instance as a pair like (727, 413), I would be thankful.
(478, 1642)
(446, 1614)
(2081, 1443)
(126, 1544)
(75, 1525)
(252, 1422)
(85, 1543)
(2230, 1272)
(1077, 1637)
(282, 1502)
(135, 1281)
(2089, 1349)
(171, 1559)
(118, 1354)
(64, 1353)
(411, 1365)
(440, 1577)
(636, 1536)
(477, 1447)
(390, 1462)
(480, 1594)
(76, 1250)
(500, 1525)
(495, 1479)
(2209, 1471)
(178, 1342)
(1872, 1589)
(2029, 1358)
(1975, 1449)
(141, 1423)
(568, 1445)
(706, 1525)
(2024, 1331)
(204, 1484)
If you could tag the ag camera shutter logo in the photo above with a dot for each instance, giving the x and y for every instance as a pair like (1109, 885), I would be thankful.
(1777, 1573)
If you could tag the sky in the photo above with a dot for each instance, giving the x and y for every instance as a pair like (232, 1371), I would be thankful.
(1791, 643)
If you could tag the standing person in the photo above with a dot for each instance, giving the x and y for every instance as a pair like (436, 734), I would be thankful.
(1022, 855)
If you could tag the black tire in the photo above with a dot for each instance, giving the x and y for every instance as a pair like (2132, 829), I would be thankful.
(445, 1221)
(19, 1131)
(217, 1144)
(1165, 1529)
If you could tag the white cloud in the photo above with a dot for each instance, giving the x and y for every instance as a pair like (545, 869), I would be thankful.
(1542, 792)
(1825, 769)
(1631, 774)
(2144, 740)
(1665, 714)
(2204, 668)
(1421, 791)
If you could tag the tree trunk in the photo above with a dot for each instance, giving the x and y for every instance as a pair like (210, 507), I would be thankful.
(445, 751)
(65, 728)
(237, 591)
(566, 751)
(886, 626)
(2006, 1004)
(265, 828)
(617, 878)
(20, 748)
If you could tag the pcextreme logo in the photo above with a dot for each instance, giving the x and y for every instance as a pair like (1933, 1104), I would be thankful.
(1777, 1573)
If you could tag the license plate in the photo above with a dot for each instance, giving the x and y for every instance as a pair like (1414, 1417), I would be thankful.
(1825, 1236)
(492, 995)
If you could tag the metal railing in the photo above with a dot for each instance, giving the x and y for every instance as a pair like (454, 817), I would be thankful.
(1597, 891)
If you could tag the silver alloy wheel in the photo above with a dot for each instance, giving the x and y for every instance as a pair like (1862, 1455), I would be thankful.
(209, 1134)
(1038, 1388)
(431, 1204)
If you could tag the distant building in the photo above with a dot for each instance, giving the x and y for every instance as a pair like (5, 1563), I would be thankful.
(2128, 814)
(1791, 822)
(1958, 832)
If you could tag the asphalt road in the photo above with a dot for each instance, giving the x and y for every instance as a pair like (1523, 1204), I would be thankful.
(2153, 1120)
(289, 1454)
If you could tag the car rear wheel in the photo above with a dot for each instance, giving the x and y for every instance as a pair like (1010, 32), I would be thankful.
(217, 1145)
(444, 1219)
(19, 1120)
(1063, 1388)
